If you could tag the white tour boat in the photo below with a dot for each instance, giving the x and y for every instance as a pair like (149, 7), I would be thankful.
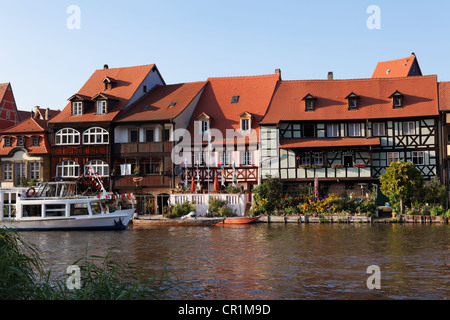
(56, 206)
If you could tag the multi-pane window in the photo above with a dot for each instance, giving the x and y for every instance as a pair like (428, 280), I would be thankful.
(7, 171)
(409, 128)
(305, 158)
(67, 136)
(392, 157)
(100, 167)
(133, 135)
(95, 135)
(20, 141)
(199, 159)
(332, 130)
(152, 165)
(318, 158)
(101, 107)
(418, 157)
(224, 159)
(354, 129)
(77, 108)
(246, 158)
(204, 127)
(20, 170)
(7, 142)
(35, 141)
(245, 125)
(34, 170)
(68, 168)
(378, 129)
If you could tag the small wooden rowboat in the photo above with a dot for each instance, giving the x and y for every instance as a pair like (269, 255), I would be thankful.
(240, 220)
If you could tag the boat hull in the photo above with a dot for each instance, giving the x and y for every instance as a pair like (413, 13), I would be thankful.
(240, 220)
(111, 221)
(145, 223)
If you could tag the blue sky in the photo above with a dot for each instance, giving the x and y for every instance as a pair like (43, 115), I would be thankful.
(46, 62)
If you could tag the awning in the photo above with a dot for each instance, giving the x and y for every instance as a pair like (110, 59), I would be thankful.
(328, 142)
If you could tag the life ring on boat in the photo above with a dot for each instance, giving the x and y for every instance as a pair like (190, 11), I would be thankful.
(31, 192)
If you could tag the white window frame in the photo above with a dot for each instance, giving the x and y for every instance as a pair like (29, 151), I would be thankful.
(246, 158)
(378, 129)
(34, 170)
(392, 157)
(20, 141)
(333, 130)
(7, 142)
(245, 125)
(204, 127)
(68, 169)
(77, 108)
(418, 158)
(224, 158)
(101, 107)
(7, 171)
(71, 137)
(305, 158)
(409, 128)
(96, 135)
(99, 166)
(354, 129)
(317, 158)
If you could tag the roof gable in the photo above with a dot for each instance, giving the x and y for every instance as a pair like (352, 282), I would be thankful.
(405, 67)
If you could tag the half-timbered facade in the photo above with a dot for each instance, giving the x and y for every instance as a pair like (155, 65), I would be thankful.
(9, 115)
(347, 132)
(143, 143)
(223, 135)
(81, 133)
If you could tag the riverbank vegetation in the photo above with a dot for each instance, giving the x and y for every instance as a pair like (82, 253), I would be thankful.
(23, 277)
(269, 199)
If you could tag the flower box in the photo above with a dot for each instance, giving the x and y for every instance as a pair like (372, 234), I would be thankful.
(359, 165)
(337, 166)
(305, 166)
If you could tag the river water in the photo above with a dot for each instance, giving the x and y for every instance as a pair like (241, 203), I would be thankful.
(274, 261)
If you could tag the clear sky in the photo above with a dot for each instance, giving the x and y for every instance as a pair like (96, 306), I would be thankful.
(46, 61)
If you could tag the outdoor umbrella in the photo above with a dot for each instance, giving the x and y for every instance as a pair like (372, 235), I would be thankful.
(193, 185)
(216, 183)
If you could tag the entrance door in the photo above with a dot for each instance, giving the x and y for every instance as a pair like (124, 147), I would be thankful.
(163, 200)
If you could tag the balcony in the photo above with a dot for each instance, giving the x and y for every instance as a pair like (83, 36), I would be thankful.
(149, 181)
(327, 173)
(142, 147)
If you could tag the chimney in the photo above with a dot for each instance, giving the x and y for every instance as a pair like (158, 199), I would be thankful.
(278, 71)
(105, 67)
(330, 75)
(47, 114)
(36, 112)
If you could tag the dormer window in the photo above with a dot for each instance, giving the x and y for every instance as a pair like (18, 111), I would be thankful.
(102, 107)
(397, 99)
(309, 102)
(35, 141)
(204, 127)
(20, 141)
(172, 104)
(109, 83)
(246, 122)
(204, 122)
(7, 142)
(352, 101)
(77, 108)
(235, 99)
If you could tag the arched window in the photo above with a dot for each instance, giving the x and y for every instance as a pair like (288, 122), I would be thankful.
(95, 135)
(68, 169)
(99, 166)
(67, 136)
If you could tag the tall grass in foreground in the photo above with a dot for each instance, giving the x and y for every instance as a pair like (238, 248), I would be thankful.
(23, 277)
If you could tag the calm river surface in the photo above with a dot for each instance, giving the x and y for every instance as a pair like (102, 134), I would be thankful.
(274, 261)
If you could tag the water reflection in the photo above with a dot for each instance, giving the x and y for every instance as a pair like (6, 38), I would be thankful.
(275, 261)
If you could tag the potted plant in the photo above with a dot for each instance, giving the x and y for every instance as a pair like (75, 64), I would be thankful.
(359, 165)
(337, 166)
(305, 166)
(136, 170)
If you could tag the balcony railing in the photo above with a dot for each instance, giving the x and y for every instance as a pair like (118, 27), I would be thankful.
(345, 172)
(143, 147)
(150, 181)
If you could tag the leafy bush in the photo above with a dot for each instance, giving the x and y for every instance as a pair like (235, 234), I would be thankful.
(180, 210)
(215, 205)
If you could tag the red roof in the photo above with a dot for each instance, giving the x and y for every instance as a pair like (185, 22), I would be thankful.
(328, 142)
(396, 68)
(444, 95)
(3, 88)
(127, 81)
(253, 96)
(164, 102)
(420, 99)
(28, 128)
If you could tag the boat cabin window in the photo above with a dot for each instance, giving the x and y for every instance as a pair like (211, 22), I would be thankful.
(55, 210)
(32, 210)
(79, 209)
(98, 208)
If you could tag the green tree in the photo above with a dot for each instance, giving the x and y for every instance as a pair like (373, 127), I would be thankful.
(270, 189)
(401, 182)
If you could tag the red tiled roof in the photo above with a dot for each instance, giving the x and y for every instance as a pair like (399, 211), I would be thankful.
(155, 105)
(29, 125)
(420, 99)
(394, 68)
(444, 95)
(254, 92)
(3, 88)
(127, 80)
(328, 142)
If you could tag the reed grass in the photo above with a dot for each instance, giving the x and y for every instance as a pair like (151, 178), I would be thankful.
(23, 276)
